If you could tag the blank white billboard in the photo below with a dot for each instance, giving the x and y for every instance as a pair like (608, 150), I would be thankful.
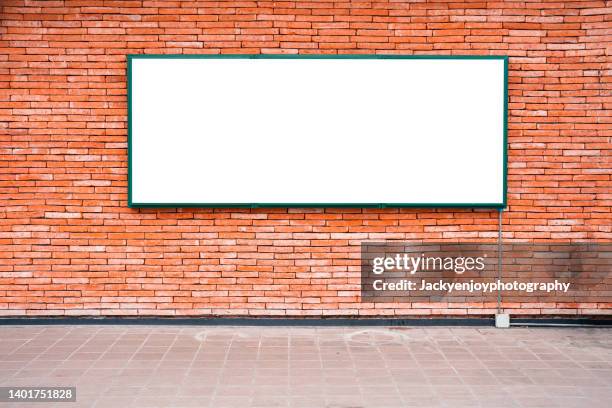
(317, 131)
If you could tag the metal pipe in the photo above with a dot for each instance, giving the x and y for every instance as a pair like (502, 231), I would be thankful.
(499, 258)
(536, 324)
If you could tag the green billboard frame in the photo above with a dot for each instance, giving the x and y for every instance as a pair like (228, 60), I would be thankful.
(132, 204)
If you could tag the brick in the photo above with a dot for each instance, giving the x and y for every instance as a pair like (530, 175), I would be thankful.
(70, 246)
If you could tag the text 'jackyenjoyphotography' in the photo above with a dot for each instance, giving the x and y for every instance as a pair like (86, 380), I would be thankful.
(472, 286)
(478, 272)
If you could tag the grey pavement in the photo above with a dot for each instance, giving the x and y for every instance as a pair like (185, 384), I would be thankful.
(335, 367)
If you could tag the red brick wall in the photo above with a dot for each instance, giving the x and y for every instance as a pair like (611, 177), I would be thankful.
(69, 245)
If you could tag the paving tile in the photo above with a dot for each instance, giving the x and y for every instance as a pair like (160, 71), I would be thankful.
(148, 366)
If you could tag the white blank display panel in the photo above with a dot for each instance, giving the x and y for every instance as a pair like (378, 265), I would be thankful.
(317, 131)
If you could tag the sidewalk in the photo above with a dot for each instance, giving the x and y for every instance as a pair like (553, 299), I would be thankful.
(175, 366)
